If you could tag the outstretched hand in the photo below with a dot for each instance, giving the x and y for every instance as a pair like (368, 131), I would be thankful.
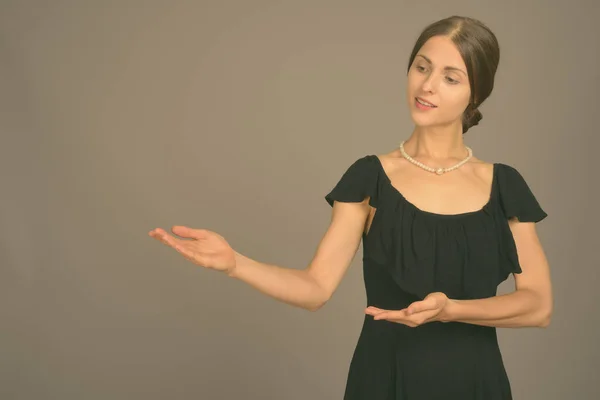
(202, 247)
(431, 308)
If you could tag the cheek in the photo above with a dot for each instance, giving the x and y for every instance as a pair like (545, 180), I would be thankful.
(452, 109)
(454, 99)
(412, 86)
(463, 102)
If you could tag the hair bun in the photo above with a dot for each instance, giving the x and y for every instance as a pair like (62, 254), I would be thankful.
(471, 118)
(475, 117)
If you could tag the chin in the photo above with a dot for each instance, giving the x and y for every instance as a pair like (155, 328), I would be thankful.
(420, 121)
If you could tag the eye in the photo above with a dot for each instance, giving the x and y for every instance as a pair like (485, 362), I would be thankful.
(452, 81)
(420, 68)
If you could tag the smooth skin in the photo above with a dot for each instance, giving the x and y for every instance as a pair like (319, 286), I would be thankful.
(436, 141)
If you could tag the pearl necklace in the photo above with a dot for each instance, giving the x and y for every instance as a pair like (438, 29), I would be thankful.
(440, 170)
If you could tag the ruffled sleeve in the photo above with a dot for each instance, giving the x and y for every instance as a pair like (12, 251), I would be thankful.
(358, 181)
(516, 197)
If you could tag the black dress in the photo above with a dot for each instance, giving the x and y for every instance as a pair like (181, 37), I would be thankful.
(409, 253)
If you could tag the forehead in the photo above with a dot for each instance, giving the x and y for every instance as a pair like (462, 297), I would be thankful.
(442, 52)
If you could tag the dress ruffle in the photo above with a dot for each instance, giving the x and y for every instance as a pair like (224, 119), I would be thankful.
(418, 247)
(359, 181)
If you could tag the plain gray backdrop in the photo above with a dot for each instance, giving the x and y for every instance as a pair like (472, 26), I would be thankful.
(117, 117)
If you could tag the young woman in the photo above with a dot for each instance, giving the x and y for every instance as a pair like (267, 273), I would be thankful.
(441, 229)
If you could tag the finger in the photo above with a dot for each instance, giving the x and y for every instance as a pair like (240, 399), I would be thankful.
(419, 306)
(158, 233)
(155, 233)
(391, 315)
(374, 311)
(422, 317)
(187, 232)
(407, 320)
(171, 241)
(165, 238)
(399, 319)
(381, 315)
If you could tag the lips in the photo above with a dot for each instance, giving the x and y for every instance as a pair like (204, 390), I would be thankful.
(425, 101)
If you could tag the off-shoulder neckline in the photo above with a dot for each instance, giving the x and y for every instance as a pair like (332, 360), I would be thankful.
(483, 209)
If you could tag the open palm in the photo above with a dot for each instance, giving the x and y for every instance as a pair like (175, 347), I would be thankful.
(202, 247)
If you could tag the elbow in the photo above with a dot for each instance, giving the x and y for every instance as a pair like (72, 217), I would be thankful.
(543, 323)
(541, 315)
(545, 317)
(545, 320)
(319, 296)
(316, 306)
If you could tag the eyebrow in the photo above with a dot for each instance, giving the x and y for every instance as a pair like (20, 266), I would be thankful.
(447, 68)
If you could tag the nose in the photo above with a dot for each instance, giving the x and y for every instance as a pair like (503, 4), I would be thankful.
(430, 83)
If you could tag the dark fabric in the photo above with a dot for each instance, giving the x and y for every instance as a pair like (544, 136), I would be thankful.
(409, 253)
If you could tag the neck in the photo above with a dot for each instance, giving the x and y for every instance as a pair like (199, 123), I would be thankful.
(439, 145)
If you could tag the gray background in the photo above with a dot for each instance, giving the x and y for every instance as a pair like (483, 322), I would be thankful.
(121, 116)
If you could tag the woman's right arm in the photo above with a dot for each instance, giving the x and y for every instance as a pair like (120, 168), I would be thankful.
(311, 287)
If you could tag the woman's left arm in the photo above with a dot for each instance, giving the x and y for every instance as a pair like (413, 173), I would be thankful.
(530, 305)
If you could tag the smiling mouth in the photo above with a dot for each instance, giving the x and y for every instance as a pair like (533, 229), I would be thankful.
(423, 103)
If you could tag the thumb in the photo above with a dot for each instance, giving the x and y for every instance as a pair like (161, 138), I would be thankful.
(422, 305)
(187, 232)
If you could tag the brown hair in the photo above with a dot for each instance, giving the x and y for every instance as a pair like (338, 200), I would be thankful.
(480, 51)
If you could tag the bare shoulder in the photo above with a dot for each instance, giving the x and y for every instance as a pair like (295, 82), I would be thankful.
(391, 156)
(482, 169)
(392, 161)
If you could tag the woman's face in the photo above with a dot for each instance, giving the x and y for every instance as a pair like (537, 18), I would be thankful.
(438, 75)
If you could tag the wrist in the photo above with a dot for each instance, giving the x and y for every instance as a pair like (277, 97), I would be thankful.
(234, 270)
(449, 311)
